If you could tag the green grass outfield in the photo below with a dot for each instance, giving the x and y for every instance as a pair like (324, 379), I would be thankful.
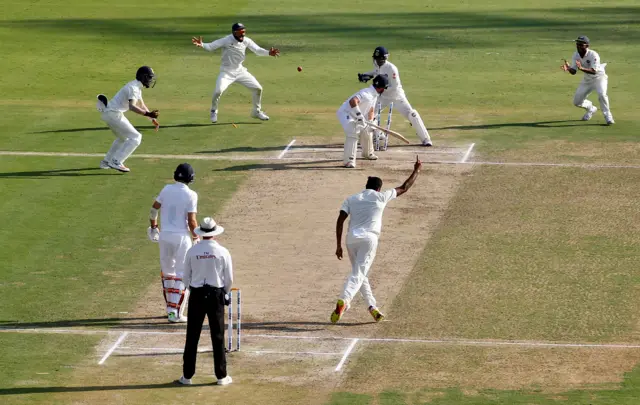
(73, 243)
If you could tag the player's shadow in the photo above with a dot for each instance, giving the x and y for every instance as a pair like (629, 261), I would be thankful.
(539, 124)
(106, 128)
(248, 149)
(134, 322)
(80, 172)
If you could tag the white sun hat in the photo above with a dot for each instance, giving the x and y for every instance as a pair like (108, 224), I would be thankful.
(208, 227)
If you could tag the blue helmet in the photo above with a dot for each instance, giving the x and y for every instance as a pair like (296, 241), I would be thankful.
(237, 27)
(380, 82)
(184, 173)
(380, 53)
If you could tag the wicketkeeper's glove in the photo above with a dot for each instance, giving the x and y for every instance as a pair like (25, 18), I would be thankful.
(152, 114)
(363, 77)
(153, 234)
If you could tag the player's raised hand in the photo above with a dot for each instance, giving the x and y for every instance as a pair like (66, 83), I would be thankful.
(565, 67)
(197, 41)
(418, 164)
(274, 52)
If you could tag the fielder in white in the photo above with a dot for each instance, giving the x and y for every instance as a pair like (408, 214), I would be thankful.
(178, 205)
(595, 78)
(351, 115)
(112, 112)
(395, 93)
(234, 47)
(365, 209)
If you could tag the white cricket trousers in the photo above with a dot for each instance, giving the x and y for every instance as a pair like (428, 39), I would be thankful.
(402, 105)
(586, 87)
(173, 252)
(127, 137)
(362, 251)
(243, 77)
(353, 134)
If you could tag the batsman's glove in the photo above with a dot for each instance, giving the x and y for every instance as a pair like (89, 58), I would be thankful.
(153, 234)
(363, 77)
(227, 299)
(152, 114)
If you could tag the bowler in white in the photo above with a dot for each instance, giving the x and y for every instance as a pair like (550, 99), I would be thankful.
(588, 61)
(395, 93)
(365, 225)
(234, 47)
(178, 205)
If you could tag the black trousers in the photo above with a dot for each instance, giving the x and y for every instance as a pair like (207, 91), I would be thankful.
(207, 301)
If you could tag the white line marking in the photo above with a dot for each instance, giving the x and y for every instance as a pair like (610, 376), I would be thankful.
(346, 354)
(494, 342)
(168, 350)
(319, 160)
(114, 347)
(466, 155)
(281, 155)
(388, 151)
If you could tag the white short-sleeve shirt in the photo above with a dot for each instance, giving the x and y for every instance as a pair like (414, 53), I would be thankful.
(208, 263)
(368, 98)
(365, 210)
(591, 60)
(176, 200)
(130, 91)
(395, 90)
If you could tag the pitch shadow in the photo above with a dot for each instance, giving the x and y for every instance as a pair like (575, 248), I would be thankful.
(539, 124)
(43, 390)
(269, 148)
(296, 165)
(105, 128)
(60, 173)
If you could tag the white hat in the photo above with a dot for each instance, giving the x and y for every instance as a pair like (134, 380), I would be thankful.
(208, 227)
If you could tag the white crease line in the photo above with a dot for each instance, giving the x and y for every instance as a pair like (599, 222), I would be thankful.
(245, 158)
(114, 347)
(467, 154)
(162, 350)
(388, 151)
(390, 340)
(281, 155)
(346, 354)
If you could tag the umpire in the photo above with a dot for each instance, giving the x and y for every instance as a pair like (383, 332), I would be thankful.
(208, 272)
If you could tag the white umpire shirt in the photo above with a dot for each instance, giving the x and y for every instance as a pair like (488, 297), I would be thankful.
(208, 263)
(130, 91)
(233, 51)
(368, 98)
(395, 90)
(591, 60)
(176, 200)
(365, 210)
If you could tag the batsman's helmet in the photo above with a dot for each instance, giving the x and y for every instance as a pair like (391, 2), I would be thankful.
(380, 82)
(184, 173)
(582, 39)
(380, 53)
(237, 27)
(146, 76)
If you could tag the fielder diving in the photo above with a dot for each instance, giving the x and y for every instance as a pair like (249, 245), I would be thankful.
(395, 93)
(351, 115)
(112, 113)
(178, 205)
(365, 209)
(234, 47)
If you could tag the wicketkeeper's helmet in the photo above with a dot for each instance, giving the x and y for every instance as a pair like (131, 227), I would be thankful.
(237, 27)
(146, 76)
(381, 53)
(184, 173)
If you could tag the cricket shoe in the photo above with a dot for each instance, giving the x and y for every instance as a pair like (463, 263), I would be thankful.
(174, 318)
(260, 115)
(350, 165)
(214, 117)
(104, 164)
(371, 157)
(341, 306)
(609, 119)
(114, 164)
(427, 143)
(225, 381)
(376, 314)
(183, 381)
(587, 116)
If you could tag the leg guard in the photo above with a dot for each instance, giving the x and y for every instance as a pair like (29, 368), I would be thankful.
(174, 293)
(418, 125)
(350, 149)
(366, 141)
